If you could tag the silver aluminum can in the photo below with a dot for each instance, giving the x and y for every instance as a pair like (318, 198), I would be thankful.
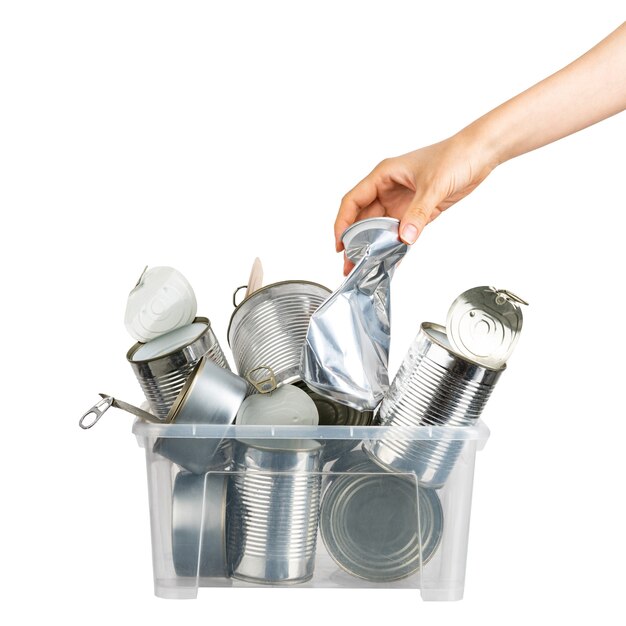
(273, 512)
(434, 386)
(199, 525)
(161, 378)
(268, 328)
(376, 525)
(211, 395)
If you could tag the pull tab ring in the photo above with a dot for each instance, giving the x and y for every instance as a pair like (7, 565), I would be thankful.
(97, 411)
(509, 295)
(262, 378)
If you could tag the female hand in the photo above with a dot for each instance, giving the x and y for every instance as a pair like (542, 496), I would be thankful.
(416, 187)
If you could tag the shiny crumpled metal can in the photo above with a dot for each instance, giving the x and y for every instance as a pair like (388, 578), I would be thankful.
(346, 352)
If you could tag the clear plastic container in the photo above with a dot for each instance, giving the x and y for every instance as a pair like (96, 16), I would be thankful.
(310, 516)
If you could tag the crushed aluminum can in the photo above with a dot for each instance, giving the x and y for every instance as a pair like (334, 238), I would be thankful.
(346, 352)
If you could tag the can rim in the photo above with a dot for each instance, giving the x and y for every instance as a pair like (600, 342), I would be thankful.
(223, 515)
(353, 479)
(425, 326)
(480, 298)
(265, 288)
(183, 394)
(139, 344)
(383, 223)
(314, 446)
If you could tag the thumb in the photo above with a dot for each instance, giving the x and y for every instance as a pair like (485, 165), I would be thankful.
(416, 217)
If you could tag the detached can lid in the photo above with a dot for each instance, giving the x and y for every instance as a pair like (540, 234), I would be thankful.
(161, 301)
(484, 324)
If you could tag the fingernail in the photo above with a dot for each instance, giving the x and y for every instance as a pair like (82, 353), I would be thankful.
(409, 234)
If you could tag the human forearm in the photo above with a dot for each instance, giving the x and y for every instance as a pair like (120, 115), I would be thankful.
(418, 186)
(587, 91)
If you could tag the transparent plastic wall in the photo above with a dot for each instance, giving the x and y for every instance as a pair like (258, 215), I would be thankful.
(307, 507)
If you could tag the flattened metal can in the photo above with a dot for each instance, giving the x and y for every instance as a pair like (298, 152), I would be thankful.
(346, 352)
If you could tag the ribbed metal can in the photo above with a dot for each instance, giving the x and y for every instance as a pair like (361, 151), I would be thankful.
(434, 386)
(269, 328)
(273, 512)
(162, 377)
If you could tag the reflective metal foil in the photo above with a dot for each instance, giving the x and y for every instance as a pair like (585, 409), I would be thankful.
(346, 352)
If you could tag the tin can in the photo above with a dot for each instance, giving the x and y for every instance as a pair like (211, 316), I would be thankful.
(163, 375)
(434, 386)
(211, 395)
(273, 512)
(199, 525)
(377, 525)
(268, 328)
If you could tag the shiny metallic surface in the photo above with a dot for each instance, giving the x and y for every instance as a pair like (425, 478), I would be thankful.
(196, 455)
(331, 413)
(346, 352)
(163, 377)
(199, 525)
(211, 395)
(91, 417)
(377, 525)
(273, 511)
(484, 324)
(434, 386)
(269, 327)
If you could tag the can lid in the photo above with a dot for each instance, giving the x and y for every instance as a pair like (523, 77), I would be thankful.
(361, 234)
(288, 405)
(161, 301)
(484, 324)
(378, 525)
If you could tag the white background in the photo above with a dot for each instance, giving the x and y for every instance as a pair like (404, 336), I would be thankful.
(203, 134)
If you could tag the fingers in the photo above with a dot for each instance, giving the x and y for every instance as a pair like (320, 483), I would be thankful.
(417, 215)
(376, 209)
(348, 265)
(352, 203)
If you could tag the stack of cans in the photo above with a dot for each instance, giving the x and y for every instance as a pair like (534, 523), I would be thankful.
(247, 509)
(251, 509)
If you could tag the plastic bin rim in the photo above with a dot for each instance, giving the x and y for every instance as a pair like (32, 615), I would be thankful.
(477, 432)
